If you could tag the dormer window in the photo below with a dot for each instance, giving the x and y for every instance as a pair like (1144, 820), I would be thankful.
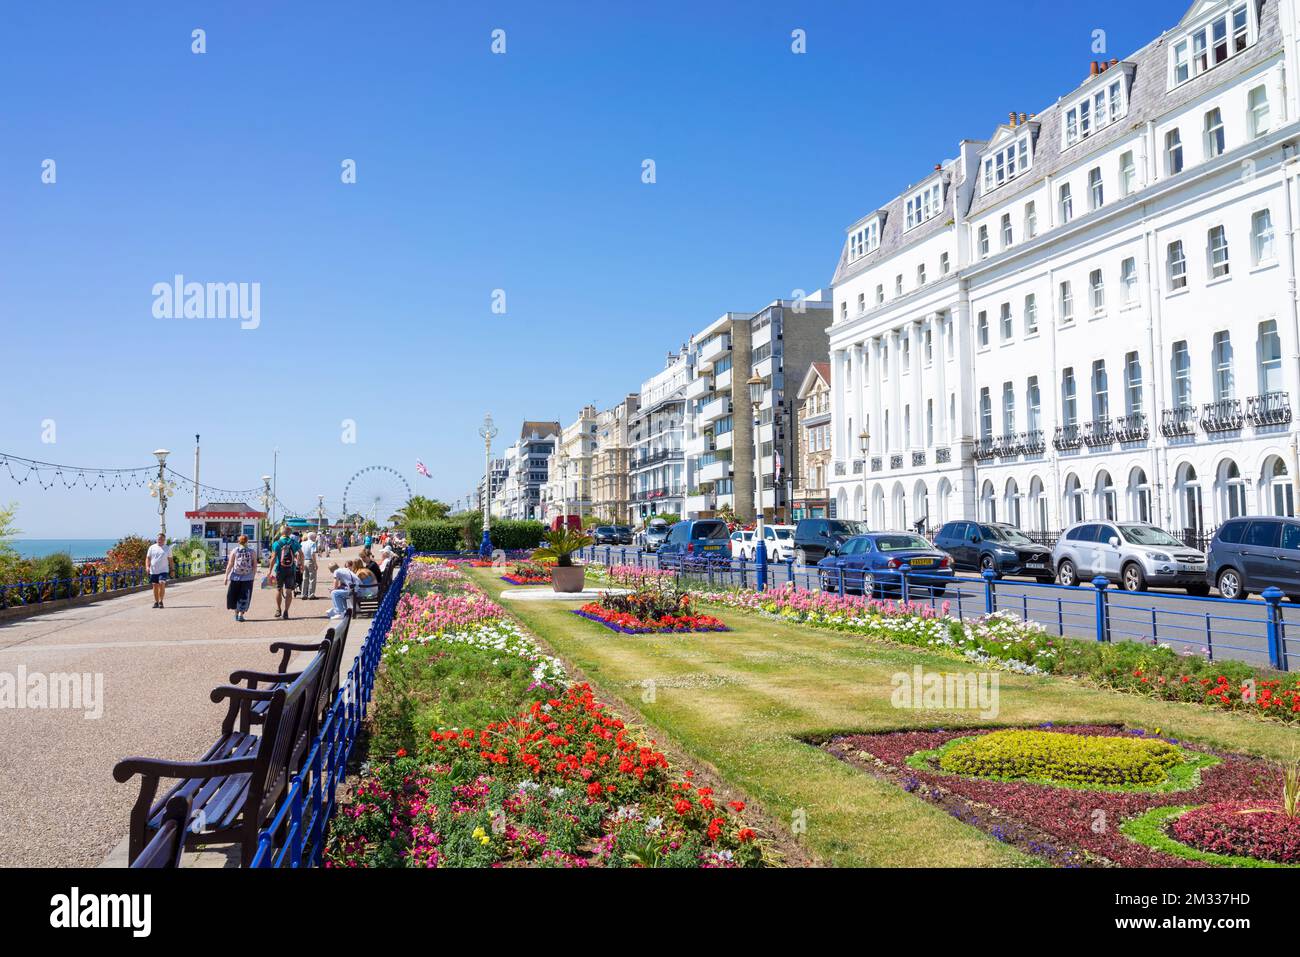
(1210, 44)
(1099, 109)
(1007, 163)
(925, 205)
(864, 240)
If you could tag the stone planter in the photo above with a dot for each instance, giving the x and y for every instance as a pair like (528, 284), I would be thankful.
(570, 579)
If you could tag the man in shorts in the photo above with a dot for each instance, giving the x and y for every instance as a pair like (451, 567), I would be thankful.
(158, 561)
(286, 567)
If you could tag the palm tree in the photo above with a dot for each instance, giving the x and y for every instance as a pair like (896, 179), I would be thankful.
(419, 508)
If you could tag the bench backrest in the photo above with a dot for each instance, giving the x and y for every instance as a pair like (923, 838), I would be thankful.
(164, 850)
(338, 636)
(286, 736)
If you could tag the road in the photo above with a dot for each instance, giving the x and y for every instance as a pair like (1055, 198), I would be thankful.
(1223, 629)
(59, 804)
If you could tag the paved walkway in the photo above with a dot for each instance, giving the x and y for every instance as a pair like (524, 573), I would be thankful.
(59, 804)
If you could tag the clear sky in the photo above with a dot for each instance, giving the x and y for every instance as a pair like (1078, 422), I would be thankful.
(474, 172)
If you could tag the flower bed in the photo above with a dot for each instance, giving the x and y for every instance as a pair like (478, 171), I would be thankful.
(1056, 758)
(528, 573)
(1065, 825)
(1006, 641)
(649, 612)
(1242, 830)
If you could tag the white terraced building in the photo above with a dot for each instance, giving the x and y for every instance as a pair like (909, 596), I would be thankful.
(1093, 313)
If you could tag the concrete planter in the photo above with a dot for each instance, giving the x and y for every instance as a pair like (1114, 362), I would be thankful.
(571, 579)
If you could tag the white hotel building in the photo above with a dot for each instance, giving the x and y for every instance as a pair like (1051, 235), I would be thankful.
(1093, 313)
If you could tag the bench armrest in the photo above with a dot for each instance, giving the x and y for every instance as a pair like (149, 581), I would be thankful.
(127, 768)
(289, 647)
(270, 677)
(236, 693)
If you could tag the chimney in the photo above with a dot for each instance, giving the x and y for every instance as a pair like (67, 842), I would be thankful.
(1114, 62)
(1011, 119)
(1023, 119)
(1095, 69)
(938, 167)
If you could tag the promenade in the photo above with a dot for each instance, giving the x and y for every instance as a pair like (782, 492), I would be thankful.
(59, 804)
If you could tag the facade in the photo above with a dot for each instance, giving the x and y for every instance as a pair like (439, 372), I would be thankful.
(610, 490)
(527, 470)
(569, 469)
(1091, 314)
(719, 441)
(813, 455)
(657, 468)
(497, 469)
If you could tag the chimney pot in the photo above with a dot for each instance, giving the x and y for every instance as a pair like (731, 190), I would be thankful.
(1114, 62)
(937, 167)
(1023, 119)
(1095, 68)
(1011, 119)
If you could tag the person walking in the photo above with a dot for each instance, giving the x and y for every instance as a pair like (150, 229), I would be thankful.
(241, 569)
(286, 565)
(158, 560)
(309, 549)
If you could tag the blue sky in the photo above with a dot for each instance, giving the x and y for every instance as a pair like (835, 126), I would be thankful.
(475, 172)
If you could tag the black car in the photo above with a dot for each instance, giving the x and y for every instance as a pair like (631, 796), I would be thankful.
(1251, 554)
(992, 546)
(815, 537)
(624, 534)
(605, 535)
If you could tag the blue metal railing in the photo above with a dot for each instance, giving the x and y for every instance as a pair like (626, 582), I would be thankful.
(1254, 631)
(309, 804)
(40, 591)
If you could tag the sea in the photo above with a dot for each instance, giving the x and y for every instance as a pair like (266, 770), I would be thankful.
(79, 548)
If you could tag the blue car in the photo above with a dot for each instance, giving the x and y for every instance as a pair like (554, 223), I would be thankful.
(873, 565)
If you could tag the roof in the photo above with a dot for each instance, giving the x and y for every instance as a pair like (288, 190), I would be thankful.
(226, 510)
(894, 218)
(539, 429)
(816, 370)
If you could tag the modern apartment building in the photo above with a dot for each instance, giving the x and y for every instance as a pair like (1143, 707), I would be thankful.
(610, 481)
(813, 455)
(1092, 313)
(497, 471)
(527, 470)
(569, 469)
(658, 474)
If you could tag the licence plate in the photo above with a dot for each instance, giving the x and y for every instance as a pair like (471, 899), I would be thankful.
(1034, 565)
(921, 561)
(1183, 566)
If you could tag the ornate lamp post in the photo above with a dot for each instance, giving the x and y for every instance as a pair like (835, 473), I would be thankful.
(864, 443)
(488, 431)
(562, 460)
(161, 489)
(755, 383)
(266, 507)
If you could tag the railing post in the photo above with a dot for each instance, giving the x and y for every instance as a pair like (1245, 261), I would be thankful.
(295, 821)
(903, 571)
(1101, 583)
(990, 598)
(760, 567)
(744, 573)
(1276, 637)
(789, 568)
(840, 570)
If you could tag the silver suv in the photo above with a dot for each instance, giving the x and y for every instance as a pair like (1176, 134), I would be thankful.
(1133, 555)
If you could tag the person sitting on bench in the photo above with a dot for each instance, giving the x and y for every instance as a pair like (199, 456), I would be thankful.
(345, 583)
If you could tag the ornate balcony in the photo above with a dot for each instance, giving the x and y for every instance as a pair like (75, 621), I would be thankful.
(877, 463)
(859, 466)
(1099, 433)
(1222, 416)
(1271, 408)
(841, 469)
(1179, 421)
(985, 449)
(918, 459)
(1132, 428)
(1068, 437)
(942, 456)
(1034, 442)
(1010, 445)
(895, 461)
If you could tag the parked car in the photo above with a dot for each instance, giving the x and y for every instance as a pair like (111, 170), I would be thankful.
(742, 543)
(871, 565)
(1133, 555)
(996, 547)
(655, 535)
(778, 540)
(624, 534)
(694, 540)
(1248, 555)
(605, 535)
(815, 537)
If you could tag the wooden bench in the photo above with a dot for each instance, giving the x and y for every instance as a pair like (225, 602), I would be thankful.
(236, 786)
(168, 843)
(364, 607)
(332, 645)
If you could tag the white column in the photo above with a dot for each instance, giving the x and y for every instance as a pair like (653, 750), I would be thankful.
(837, 403)
(896, 390)
(941, 333)
(918, 383)
(878, 438)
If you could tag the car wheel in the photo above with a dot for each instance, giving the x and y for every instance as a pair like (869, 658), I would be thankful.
(988, 565)
(1198, 591)
(1230, 585)
(1066, 575)
(1132, 578)
(825, 583)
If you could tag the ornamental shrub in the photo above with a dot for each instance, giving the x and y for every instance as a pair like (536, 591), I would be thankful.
(1064, 758)
(434, 535)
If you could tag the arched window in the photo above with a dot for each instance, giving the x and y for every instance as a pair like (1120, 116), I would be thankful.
(1279, 490)
(1011, 500)
(1038, 505)
(878, 509)
(900, 507)
(1074, 499)
(988, 503)
(1105, 495)
(1139, 496)
(921, 507)
(1232, 490)
(944, 499)
(1187, 488)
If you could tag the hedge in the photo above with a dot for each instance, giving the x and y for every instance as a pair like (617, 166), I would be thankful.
(448, 536)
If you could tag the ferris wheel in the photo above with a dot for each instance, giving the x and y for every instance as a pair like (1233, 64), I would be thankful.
(375, 492)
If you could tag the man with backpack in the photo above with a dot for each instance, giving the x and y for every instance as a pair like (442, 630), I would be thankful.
(286, 564)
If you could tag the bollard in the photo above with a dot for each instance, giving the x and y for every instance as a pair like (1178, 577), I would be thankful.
(1101, 583)
(1276, 633)
(990, 599)
(760, 566)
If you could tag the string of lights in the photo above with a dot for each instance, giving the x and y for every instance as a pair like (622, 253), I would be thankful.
(49, 475)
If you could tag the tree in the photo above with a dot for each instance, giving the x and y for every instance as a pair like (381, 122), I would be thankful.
(420, 508)
(7, 530)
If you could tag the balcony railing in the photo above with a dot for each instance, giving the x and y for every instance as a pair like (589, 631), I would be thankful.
(859, 466)
(1099, 433)
(918, 459)
(1132, 428)
(1179, 421)
(1009, 445)
(895, 461)
(1034, 442)
(1068, 437)
(943, 456)
(877, 463)
(841, 469)
(1271, 408)
(1222, 416)
(986, 448)
(663, 455)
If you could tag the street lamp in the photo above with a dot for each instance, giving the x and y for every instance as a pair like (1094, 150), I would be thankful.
(864, 443)
(562, 460)
(266, 506)
(755, 383)
(320, 514)
(161, 489)
(488, 431)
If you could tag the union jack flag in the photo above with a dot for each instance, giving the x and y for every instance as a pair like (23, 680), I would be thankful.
(419, 467)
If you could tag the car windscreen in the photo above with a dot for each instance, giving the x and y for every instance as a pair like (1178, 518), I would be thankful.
(710, 530)
(1012, 536)
(846, 528)
(901, 543)
(783, 533)
(1149, 535)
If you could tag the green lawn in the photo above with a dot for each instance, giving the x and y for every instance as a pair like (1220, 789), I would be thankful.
(742, 700)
